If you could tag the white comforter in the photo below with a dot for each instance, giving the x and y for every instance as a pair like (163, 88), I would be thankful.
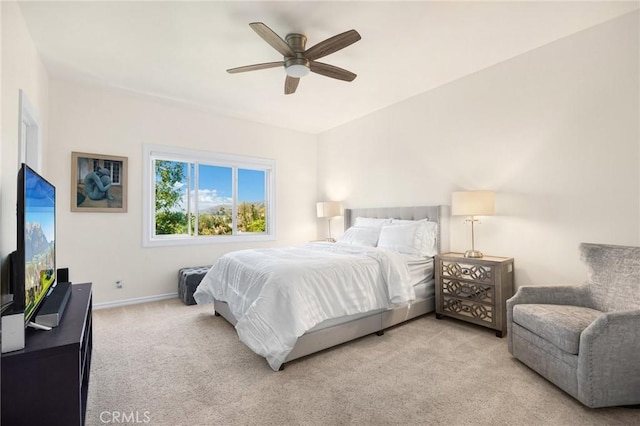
(278, 294)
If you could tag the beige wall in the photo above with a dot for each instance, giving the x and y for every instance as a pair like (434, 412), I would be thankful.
(555, 132)
(23, 69)
(105, 247)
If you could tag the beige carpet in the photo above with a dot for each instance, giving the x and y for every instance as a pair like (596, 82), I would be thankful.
(164, 363)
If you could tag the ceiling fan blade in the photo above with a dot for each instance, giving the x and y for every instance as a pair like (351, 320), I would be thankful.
(332, 44)
(272, 38)
(290, 85)
(331, 71)
(255, 67)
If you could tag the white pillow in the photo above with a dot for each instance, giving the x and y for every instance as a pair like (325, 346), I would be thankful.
(371, 222)
(400, 238)
(426, 235)
(361, 235)
(429, 244)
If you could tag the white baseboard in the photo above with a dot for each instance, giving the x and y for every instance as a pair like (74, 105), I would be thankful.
(135, 301)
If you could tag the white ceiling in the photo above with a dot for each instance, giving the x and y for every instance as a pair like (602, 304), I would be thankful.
(180, 50)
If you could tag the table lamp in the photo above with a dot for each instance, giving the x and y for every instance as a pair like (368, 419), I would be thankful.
(472, 204)
(328, 210)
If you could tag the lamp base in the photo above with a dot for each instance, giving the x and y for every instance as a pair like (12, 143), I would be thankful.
(473, 253)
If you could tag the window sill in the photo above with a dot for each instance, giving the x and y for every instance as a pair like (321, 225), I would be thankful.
(195, 241)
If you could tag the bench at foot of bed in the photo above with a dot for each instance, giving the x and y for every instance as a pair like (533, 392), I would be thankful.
(188, 280)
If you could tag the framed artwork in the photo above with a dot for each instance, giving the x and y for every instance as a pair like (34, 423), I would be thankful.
(98, 183)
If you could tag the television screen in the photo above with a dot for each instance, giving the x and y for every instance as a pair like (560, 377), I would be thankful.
(38, 238)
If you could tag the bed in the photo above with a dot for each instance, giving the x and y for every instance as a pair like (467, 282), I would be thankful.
(327, 331)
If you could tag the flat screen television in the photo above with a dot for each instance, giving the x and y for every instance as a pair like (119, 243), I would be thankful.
(35, 257)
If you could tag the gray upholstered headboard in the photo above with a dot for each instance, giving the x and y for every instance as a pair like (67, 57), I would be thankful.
(439, 214)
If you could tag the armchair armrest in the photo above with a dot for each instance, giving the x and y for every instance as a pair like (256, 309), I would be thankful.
(608, 360)
(548, 295)
(552, 295)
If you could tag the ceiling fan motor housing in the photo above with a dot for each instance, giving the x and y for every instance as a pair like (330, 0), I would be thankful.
(297, 42)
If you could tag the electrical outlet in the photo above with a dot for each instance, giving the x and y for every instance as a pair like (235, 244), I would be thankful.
(119, 284)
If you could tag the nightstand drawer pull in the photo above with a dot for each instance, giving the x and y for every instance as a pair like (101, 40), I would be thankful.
(470, 272)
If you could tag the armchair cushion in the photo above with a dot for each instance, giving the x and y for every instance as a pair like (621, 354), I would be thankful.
(557, 324)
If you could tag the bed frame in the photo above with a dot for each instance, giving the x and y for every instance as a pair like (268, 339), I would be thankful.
(377, 321)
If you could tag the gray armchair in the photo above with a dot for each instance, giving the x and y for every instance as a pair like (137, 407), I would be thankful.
(584, 339)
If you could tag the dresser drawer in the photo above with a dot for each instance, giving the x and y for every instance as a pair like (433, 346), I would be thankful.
(468, 309)
(474, 291)
(468, 271)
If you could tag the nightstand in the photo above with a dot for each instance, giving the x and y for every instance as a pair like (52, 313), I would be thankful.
(474, 289)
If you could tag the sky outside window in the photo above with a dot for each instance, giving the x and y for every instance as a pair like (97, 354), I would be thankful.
(215, 186)
(251, 186)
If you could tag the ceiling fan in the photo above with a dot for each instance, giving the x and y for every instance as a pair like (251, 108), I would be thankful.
(297, 61)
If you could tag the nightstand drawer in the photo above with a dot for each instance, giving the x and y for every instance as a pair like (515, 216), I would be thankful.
(473, 291)
(468, 309)
(468, 271)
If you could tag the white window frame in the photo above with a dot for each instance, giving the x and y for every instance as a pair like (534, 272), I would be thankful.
(153, 152)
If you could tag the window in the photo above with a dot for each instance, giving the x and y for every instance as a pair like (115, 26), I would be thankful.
(195, 197)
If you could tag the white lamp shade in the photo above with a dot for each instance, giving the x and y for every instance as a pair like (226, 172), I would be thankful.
(328, 209)
(473, 203)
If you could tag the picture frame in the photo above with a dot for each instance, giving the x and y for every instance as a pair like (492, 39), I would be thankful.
(98, 183)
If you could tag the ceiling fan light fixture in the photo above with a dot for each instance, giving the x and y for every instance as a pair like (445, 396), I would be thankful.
(296, 67)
